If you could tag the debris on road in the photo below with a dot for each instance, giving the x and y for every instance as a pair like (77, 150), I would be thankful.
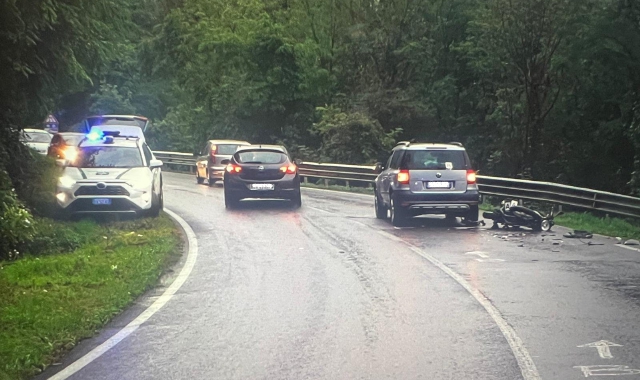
(579, 234)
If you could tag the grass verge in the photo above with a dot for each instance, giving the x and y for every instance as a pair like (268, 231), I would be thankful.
(607, 226)
(50, 302)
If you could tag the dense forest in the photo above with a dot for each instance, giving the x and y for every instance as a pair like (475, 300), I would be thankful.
(543, 89)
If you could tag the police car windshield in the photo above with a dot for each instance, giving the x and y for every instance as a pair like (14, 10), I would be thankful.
(108, 157)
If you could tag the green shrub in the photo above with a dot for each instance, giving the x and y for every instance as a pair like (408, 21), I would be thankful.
(52, 237)
(36, 184)
(16, 222)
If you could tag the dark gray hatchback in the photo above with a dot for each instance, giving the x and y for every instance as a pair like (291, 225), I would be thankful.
(261, 171)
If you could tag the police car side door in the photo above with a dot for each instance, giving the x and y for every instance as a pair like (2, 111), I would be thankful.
(148, 156)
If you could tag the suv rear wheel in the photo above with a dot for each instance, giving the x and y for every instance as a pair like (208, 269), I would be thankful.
(399, 214)
(381, 210)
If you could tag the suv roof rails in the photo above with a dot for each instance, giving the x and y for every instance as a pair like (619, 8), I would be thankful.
(456, 143)
(405, 143)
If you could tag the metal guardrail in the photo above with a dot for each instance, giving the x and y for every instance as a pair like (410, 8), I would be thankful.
(177, 161)
(496, 186)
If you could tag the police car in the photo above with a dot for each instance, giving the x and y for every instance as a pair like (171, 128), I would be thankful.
(110, 173)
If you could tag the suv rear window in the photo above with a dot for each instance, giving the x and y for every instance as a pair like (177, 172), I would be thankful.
(260, 157)
(434, 160)
(227, 149)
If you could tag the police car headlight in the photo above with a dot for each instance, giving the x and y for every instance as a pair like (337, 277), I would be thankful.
(61, 197)
(66, 181)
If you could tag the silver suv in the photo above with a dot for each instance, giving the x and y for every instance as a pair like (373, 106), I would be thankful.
(427, 178)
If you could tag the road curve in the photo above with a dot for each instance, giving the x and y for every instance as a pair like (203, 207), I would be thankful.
(330, 292)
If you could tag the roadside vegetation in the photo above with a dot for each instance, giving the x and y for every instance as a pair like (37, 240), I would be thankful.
(608, 226)
(61, 281)
(71, 280)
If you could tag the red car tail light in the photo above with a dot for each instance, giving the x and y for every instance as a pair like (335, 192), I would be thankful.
(212, 153)
(233, 168)
(471, 177)
(289, 169)
(403, 177)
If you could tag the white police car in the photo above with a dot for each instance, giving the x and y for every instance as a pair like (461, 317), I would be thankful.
(110, 174)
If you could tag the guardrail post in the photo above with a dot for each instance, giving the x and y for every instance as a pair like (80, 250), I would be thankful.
(346, 183)
(306, 179)
(594, 199)
(326, 182)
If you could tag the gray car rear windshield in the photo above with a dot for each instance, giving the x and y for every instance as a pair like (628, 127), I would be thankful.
(108, 157)
(227, 149)
(260, 157)
(434, 160)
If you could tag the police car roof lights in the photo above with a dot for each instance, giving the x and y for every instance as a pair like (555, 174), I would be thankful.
(95, 135)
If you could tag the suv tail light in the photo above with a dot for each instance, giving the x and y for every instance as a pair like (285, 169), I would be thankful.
(471, 177)
(212, 153)
(403, 177)
(289, 169)
(233, 168)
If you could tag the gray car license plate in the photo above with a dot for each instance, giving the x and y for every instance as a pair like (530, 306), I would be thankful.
(438, 185)
(261, 186)
(101, 201)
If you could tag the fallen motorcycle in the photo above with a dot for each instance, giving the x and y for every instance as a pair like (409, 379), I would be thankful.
(511, 214)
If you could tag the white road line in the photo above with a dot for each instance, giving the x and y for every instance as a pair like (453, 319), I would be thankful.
(319, 209)
(151, 310)
(479, 253)
(525, 362)
(628, 247)
(603, 348)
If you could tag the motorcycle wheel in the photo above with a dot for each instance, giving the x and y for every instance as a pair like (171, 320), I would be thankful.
(545, 225)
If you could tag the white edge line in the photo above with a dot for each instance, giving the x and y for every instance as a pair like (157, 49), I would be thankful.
(525, 362)
(628, 247)
(145, 315)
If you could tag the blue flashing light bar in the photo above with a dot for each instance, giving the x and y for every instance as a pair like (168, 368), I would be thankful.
(95, 134)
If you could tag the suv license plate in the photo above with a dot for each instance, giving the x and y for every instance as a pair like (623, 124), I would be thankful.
(438, 185)
(101, 201)
(261, 186)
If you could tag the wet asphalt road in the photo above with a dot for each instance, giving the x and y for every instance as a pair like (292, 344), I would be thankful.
(330, 292)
